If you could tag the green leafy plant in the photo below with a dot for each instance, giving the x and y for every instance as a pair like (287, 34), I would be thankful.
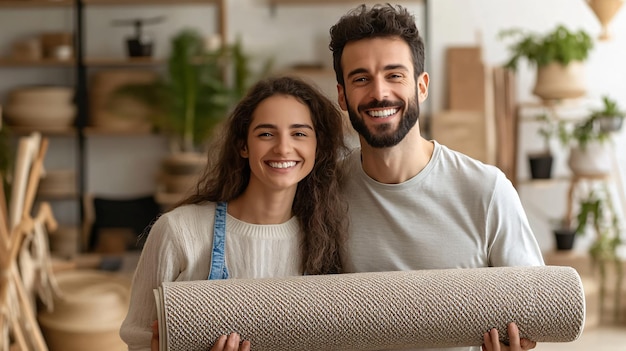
(560, 45)
(610, 117)
(582, 133)
(597, 213)
(198, 90)
(609, 109)
(588, 130)
(549, 129)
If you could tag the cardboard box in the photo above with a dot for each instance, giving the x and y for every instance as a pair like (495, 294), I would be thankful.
(466, 79)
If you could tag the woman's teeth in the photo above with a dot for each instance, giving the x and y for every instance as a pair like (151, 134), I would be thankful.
(282, 164)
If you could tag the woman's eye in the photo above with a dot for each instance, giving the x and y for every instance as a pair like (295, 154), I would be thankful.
(266, 134)
(299, 134)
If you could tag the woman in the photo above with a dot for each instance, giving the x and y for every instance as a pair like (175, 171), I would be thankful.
(270, 199)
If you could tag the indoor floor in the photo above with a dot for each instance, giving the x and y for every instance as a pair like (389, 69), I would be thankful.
(601, 338)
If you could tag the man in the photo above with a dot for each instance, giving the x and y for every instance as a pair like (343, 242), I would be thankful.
(415, 204)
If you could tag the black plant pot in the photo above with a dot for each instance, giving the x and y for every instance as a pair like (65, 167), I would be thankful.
(540, 166)
(565, 238)
(139, 48)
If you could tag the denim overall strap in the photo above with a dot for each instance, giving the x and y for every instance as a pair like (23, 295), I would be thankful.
(218, 268)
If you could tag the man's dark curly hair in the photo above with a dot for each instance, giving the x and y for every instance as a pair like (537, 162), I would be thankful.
(375, 22)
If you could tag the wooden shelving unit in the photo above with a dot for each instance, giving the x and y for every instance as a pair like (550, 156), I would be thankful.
(148, 2)
(36, 3)
(328, 2)
(78, 69)
(123, 62)
(21, 131)
(9, 62)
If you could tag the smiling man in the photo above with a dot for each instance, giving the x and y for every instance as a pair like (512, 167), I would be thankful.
(414, 203)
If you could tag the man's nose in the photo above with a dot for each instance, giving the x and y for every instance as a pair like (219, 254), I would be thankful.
(379, 90)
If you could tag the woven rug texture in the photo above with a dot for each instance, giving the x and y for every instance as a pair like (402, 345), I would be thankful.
(375, 311)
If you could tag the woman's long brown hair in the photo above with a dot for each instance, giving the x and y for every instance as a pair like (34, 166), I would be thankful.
(318, 205)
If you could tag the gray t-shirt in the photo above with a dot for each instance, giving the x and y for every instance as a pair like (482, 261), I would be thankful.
(456, 213)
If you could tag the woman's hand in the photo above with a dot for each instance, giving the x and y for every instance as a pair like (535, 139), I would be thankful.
(230, 343)
(492, 341)
(154, 343)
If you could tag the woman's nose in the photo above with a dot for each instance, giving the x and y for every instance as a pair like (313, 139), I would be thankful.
(283, 145)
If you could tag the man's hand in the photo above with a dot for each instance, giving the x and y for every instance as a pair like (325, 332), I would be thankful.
(492, 341)
(231, 343)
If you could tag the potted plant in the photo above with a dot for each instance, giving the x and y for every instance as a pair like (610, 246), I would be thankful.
(609, 118)
(558, 56)
(598, 215)
(564, 234)
(589, 150)
(193, 97)
(540, 162)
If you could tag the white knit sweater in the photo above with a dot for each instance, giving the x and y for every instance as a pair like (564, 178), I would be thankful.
(178, 248)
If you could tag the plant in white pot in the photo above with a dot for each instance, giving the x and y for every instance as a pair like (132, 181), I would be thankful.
(589, 147)
(559, 57)
(610, 117)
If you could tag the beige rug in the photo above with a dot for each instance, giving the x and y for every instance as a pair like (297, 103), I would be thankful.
(373, 311)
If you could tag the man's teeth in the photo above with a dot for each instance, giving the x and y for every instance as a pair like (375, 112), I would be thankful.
(383, 113)
(282, 164)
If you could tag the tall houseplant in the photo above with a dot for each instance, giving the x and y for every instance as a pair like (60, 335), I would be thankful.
(197, 91)
(558, 57)
(192, 99)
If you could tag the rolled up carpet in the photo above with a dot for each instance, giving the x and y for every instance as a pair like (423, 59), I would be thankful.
(373, 311)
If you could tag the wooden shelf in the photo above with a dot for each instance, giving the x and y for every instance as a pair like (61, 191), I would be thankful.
(36, 3)
(57, 195)
(62, 131)
(124, 62)
(326, 2)
(146, 2)
(95, 131)
(9, 62)
(543, 182)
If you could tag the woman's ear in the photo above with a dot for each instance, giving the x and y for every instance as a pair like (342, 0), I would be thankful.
(244, 151)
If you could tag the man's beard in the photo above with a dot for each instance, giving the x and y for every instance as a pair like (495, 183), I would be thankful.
(382, 137)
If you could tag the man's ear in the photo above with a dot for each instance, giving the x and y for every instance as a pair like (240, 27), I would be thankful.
(341, 97)
(244, 151)
(422, 87)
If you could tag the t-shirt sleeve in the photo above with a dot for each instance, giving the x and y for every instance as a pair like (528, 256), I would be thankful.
(513, 242)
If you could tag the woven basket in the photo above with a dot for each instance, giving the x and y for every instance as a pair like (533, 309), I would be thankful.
(89, 314)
